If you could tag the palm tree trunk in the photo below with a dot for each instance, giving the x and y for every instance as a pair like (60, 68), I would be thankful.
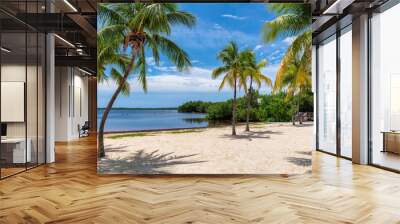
(294, 110)
(234, 110)
(100, 140)
(298, 110)
(249, 104)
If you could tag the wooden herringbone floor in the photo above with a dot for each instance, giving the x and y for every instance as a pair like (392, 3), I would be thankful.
(70, 191)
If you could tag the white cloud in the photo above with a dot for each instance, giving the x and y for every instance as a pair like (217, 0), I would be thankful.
(289, 40)
(196, 79)
(234, 17)
(258, 47)
(277, 52)
(150, 61)
(166, 68)
(270, 70)
(206, 35)
(217, 26)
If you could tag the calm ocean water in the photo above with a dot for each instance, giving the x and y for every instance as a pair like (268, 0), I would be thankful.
(133, 120)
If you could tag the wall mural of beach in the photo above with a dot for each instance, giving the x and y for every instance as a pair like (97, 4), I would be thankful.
(196, 88)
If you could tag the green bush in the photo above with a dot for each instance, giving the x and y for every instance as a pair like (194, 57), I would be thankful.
(275, 108)
(194, 107)
(270, 107)
(220, 111)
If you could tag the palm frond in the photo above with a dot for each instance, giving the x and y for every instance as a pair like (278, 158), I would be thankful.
(181, 18)
(142, 69)
(227, 79)
(218, 71)
(173, 52)
(118, 77)
(284, 26)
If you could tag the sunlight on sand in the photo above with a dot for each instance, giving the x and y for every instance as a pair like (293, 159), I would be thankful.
(277, 148)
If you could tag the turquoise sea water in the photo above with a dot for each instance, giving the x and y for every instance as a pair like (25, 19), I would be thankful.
(134, 120)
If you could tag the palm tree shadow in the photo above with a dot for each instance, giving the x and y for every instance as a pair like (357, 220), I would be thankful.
(252, 135)
(265, 132)
(115, 149)
(306, 153)
(144, 163)
(304, 125)
(299, 161)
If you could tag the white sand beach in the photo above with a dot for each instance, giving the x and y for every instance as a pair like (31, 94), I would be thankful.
(275, 148)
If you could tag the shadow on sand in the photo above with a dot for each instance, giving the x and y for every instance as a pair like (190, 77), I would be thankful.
(253, 135)
(303, 125)
(299, 161)
(144, 163)
(306, 153)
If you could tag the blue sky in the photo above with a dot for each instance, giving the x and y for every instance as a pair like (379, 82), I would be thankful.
(217, 24)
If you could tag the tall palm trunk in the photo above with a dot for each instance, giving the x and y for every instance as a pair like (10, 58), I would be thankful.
(101, 152)
(294, 110)
(234, 109)
(249, 98)
(298, 110)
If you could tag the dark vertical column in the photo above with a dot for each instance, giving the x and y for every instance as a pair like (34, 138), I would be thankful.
(26, 86)
(338, 76)
(369, 54)
(92, 103)
(317, 96)
(1, 53)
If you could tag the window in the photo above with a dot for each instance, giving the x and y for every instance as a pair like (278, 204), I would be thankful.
(346, 92)
(385, 89)
(327, 95)
(22, 78)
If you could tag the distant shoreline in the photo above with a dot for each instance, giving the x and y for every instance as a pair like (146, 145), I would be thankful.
(133, 108)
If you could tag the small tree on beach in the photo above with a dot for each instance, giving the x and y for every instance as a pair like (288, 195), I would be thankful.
(234, 65)
(136, 28)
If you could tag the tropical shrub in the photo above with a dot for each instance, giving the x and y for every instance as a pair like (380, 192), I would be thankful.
(194, 107)
(268, 108)
(220, 111)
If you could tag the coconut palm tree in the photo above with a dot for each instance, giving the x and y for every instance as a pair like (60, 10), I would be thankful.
(256, 76)
(234, 63)
(295, 83)
(135, 29)
(294, 73)
(293, 20)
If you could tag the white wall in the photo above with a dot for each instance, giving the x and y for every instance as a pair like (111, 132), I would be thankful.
(62, 81)
(71, 102)
(33, 126)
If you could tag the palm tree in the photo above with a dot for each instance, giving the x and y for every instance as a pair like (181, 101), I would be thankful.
(255, 74)
(135, 29)
(233, 70)
(294, 73)
(295, 82)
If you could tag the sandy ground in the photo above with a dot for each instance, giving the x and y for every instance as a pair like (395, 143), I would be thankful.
(277, 148)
